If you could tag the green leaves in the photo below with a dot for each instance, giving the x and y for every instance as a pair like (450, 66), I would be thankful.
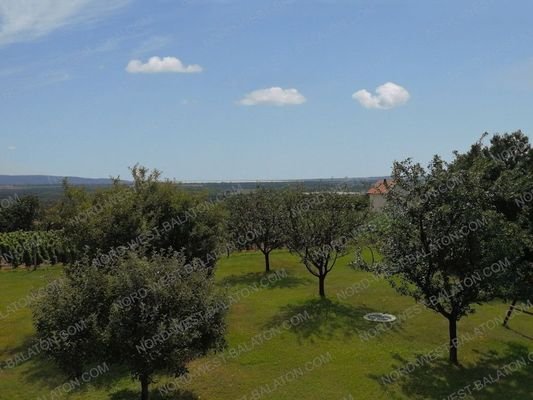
(258, 219)
(150, 315)
(151, 213)
(322, 227)
(19, 214)
(445, 226)
(34, 248)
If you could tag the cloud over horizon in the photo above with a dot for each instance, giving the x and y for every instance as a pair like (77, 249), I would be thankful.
(157, 65)
(388, 95)
(28, 20)
(273, 96)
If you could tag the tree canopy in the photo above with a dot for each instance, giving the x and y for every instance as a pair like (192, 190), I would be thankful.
(151, 314)
(261, 212)
(20, 214)
(505, 167)
(443, 241)
(321, 227)
(150, 213)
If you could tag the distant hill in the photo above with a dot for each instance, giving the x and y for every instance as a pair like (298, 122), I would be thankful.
(37, 180)
(49, 188)
(50, 180)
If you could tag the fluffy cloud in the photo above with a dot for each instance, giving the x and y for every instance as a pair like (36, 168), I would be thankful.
(156, 65)
(23, 20)
(388, 95)
(273, 96)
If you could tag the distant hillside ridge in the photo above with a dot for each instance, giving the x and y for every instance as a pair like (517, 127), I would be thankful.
(52, 180)
(37, 180)
(49, 188)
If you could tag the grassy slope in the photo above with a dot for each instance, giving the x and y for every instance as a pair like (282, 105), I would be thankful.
(356, 366)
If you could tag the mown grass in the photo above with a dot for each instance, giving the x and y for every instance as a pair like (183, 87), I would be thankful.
(260, 360)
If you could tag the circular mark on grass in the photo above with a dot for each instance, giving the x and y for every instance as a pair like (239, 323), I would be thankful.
(380, 317)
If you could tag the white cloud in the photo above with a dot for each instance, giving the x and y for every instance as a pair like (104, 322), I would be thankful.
(24, 20)
(11, 148)
(273, 96)
(388, 95)
(156, 65)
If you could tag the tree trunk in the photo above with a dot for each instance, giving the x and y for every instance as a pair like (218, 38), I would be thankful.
(453, 340)
(144, 387)
(267, 262)
(509, 312)
(34, 253)
(321, 289)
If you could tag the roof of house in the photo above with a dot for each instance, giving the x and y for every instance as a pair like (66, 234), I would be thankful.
(381, 187)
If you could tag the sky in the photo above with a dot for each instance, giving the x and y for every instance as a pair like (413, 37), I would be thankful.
(256, 89)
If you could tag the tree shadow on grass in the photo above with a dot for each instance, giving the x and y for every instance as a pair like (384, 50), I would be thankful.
(326, 319)
(505, 375)
(10, 352)
(128, 394)
(520, 333)
(45, 373)
(265, 280)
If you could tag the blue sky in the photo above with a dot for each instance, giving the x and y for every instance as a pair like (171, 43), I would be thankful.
(259, 89)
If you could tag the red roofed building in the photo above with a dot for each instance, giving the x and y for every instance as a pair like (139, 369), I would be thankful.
(377, 194)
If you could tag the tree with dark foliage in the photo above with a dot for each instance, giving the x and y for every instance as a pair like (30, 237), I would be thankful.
(20, 214)
(506, 170)
(262, 215)
(442, 240)
(152, 213)
(152, 315)
(321, 228)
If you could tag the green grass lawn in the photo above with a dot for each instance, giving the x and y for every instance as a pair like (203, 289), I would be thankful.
(265, 353)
